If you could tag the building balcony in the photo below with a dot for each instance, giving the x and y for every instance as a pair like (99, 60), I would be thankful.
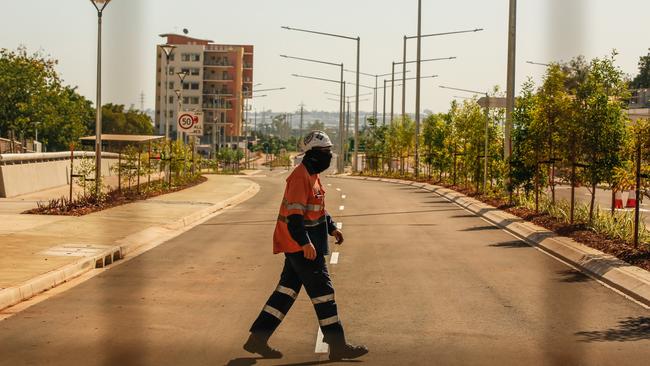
(218, 106)
(217, 80)
(209, 91)
(218, 48)
(218, 64)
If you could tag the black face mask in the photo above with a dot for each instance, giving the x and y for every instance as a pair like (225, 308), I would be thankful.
(318, 160)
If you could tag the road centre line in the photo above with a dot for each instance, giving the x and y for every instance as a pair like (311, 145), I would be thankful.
(343, 196)
(321, 347)
(338, 189)
(339, 225)
(334, 259)
(341, 208)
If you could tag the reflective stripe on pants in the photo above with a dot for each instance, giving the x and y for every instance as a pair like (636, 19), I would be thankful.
(314, 275)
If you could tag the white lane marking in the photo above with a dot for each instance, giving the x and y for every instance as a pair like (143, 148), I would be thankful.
(343, 196)
(341, 208)
(339, 225)
(335, 258)
(338, 189)
(321, 347)
(329, 184)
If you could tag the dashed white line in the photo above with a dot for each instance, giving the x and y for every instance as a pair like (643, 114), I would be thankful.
(343, 196)
(338, 189)
(341, 208)
(329, 184)
(334, 259)
(339, 225)
(321, 347)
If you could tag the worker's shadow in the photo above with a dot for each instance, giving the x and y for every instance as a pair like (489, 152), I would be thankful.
(248, 361)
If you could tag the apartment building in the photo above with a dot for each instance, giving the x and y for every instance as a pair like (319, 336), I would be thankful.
(219, 79)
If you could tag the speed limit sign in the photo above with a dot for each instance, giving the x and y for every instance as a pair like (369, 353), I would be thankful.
(191, 123)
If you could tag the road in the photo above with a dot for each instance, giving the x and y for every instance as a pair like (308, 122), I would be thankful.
(603, 199)
(419, 281)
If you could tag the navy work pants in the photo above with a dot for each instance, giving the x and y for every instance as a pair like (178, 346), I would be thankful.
(299, 271)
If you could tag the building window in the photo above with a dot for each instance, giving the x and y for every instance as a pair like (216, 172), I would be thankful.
(195, 86)
(171, 99)
(171, 71)
(186, 86)
(191, 57)
(171, 57)
(171, 85)
(171, 114)
(195, 71)
(195, 100)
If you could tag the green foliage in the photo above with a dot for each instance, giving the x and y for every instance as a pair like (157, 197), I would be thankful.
(32, 97)
(117, 120)
(642, 80)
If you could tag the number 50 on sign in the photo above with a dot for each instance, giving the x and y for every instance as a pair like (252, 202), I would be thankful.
(191, 123)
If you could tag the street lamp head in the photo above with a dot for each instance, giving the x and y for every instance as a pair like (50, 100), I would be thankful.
(167, 48)
(182, 75)
(178, 92)
(285, 27)
(100, 4)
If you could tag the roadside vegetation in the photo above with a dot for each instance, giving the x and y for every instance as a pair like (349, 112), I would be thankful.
(165, 168)
(572, 129)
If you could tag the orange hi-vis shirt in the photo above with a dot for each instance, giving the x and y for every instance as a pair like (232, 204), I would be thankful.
(304, 195)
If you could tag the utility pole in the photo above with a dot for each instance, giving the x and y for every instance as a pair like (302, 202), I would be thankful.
(302, 105)
(417, 93)
(510, 93)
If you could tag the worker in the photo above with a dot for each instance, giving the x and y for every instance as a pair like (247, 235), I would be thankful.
(301, 234)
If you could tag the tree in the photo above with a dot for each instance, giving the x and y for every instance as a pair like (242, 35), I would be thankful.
(601, 97)
(436, 152)
(642, 80)
(553, 110)
(116, 120)
(316, 125)
(32, 96)
(528, 137)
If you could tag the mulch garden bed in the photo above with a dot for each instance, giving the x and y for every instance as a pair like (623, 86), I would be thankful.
(84, 205)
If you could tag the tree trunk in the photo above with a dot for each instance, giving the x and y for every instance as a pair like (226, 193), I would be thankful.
(613, 200)
(592, 203)
(573, 189)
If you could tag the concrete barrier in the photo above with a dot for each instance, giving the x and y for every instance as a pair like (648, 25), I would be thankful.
(28, 173)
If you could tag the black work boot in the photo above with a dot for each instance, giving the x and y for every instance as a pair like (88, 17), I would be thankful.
(346, 351)
(259, 344)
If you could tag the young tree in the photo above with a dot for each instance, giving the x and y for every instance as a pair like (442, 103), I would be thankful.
(528, 136)
(601, 97)
(553, 113)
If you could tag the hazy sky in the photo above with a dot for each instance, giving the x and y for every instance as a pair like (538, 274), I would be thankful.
(547, 30)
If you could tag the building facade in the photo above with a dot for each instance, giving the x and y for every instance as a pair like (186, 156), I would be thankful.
(219, 80)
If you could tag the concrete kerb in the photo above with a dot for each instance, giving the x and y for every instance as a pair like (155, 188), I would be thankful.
(630, 280)
(149, 237)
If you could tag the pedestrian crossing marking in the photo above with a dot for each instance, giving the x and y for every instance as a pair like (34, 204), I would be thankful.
(321, 347)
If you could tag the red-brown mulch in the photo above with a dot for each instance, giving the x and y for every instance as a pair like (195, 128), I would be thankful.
(86, 205)
(621, 249)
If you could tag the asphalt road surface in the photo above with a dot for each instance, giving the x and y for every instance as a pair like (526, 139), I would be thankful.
(419, 281)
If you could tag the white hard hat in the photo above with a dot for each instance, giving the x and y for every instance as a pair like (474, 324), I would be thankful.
(316, 139)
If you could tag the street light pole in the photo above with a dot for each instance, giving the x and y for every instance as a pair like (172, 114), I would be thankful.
(417, 93)
(406, 38)
(510, 92)
(392, 92)
(358, 71)
(179, 95)
(100, 5)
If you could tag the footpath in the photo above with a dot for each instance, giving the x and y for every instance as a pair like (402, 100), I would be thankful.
(40, 252)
